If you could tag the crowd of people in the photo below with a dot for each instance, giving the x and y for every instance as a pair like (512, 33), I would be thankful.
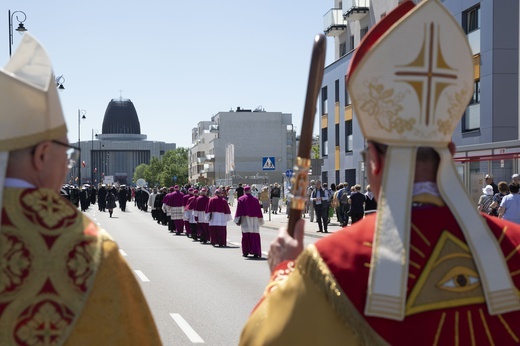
(349, 204)
(501, 200)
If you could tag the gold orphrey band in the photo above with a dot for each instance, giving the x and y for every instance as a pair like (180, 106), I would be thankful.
(299, 182)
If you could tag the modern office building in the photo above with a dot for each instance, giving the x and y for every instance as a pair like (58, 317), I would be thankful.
(487, 138)
(118, 149)
(242, 146)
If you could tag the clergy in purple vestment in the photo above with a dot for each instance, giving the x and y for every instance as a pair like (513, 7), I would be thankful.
(186, 219)
(177, 209)
(189, 211)
(219, 214)
(249, 217)
(167, 209)
(202, 216)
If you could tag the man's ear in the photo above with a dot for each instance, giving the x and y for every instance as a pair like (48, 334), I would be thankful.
(375, 160)
(40, 154)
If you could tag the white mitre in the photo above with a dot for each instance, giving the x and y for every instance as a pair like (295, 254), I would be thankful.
(30, 109)
(410, 81)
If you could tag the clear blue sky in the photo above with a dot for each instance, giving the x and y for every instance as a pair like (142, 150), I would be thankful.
(180, 62)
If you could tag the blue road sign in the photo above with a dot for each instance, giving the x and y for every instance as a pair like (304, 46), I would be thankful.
(268, 163)
(289, 173)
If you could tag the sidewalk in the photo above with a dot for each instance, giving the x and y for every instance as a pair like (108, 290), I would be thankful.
(275, 221)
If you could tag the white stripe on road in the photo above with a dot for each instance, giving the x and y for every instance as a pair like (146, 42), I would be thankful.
(141, 276)
(122, 252)
(186, 328)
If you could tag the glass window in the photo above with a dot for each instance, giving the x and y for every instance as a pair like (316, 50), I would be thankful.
(324, 142)
(336, 90)
(342, 49)
(348, 136)
(347, 96)
(471, 19)
(324, 103)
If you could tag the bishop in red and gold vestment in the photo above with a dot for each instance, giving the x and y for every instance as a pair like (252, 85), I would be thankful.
(427, 268)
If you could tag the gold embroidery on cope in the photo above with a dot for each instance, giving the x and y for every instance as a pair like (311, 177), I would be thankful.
(449, 279)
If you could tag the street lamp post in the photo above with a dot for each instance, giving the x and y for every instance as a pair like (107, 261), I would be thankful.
(20, 28)
(92, 158)
(81, 115)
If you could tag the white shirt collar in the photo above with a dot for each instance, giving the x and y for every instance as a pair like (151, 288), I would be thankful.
(19, 183)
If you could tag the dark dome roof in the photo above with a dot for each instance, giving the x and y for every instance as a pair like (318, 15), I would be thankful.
(121, 117)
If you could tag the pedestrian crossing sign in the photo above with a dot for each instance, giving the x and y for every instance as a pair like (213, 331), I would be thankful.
(268, 163)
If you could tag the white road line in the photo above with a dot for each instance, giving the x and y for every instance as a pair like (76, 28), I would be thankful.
(141, 276)
(233, 243)
(122, 252)
(186, 328)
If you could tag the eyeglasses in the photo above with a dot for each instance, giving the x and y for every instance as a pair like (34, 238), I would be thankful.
(72, 153)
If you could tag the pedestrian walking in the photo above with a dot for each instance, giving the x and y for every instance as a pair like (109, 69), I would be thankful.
(111, 201)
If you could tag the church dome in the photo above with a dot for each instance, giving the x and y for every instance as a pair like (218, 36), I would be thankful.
(121, 117)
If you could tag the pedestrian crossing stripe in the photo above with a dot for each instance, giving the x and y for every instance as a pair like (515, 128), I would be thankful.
(268, 164)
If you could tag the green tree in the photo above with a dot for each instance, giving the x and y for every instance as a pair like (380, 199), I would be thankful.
(153, 171)
(174, 163)
(139, 172)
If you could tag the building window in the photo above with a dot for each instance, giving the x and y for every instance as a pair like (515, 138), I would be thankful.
(363, 32)
(352, 42)
(471, 118)
(324, 142)
(348, 136)
(471, 19)
(337, 178)
(325, 177)
(324, 103)
(342, 49)
(350, 176)
(347, 96)
(161, 152)
(476, 93)
(336, 128)
(336, 90)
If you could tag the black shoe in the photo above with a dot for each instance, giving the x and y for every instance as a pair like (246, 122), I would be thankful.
(320, 231)
(244, 255)
(326, 231)
(256, 256)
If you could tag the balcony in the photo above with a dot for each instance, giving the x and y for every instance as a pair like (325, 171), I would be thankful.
(474, 41)
(334, 23)
(355, 9)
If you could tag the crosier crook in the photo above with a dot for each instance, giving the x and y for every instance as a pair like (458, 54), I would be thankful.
(300, 178)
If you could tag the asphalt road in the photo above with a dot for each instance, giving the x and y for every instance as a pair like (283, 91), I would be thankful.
(197, 293)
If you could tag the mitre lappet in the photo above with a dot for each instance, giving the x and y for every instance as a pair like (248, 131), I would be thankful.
(31, 110)
(410, 81)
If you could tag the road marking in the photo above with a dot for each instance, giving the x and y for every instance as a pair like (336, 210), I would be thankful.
(122, 252)
(186, 328)
(141, 276)
(233, 243)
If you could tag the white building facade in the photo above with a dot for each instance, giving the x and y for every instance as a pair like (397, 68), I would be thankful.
(262, 146)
